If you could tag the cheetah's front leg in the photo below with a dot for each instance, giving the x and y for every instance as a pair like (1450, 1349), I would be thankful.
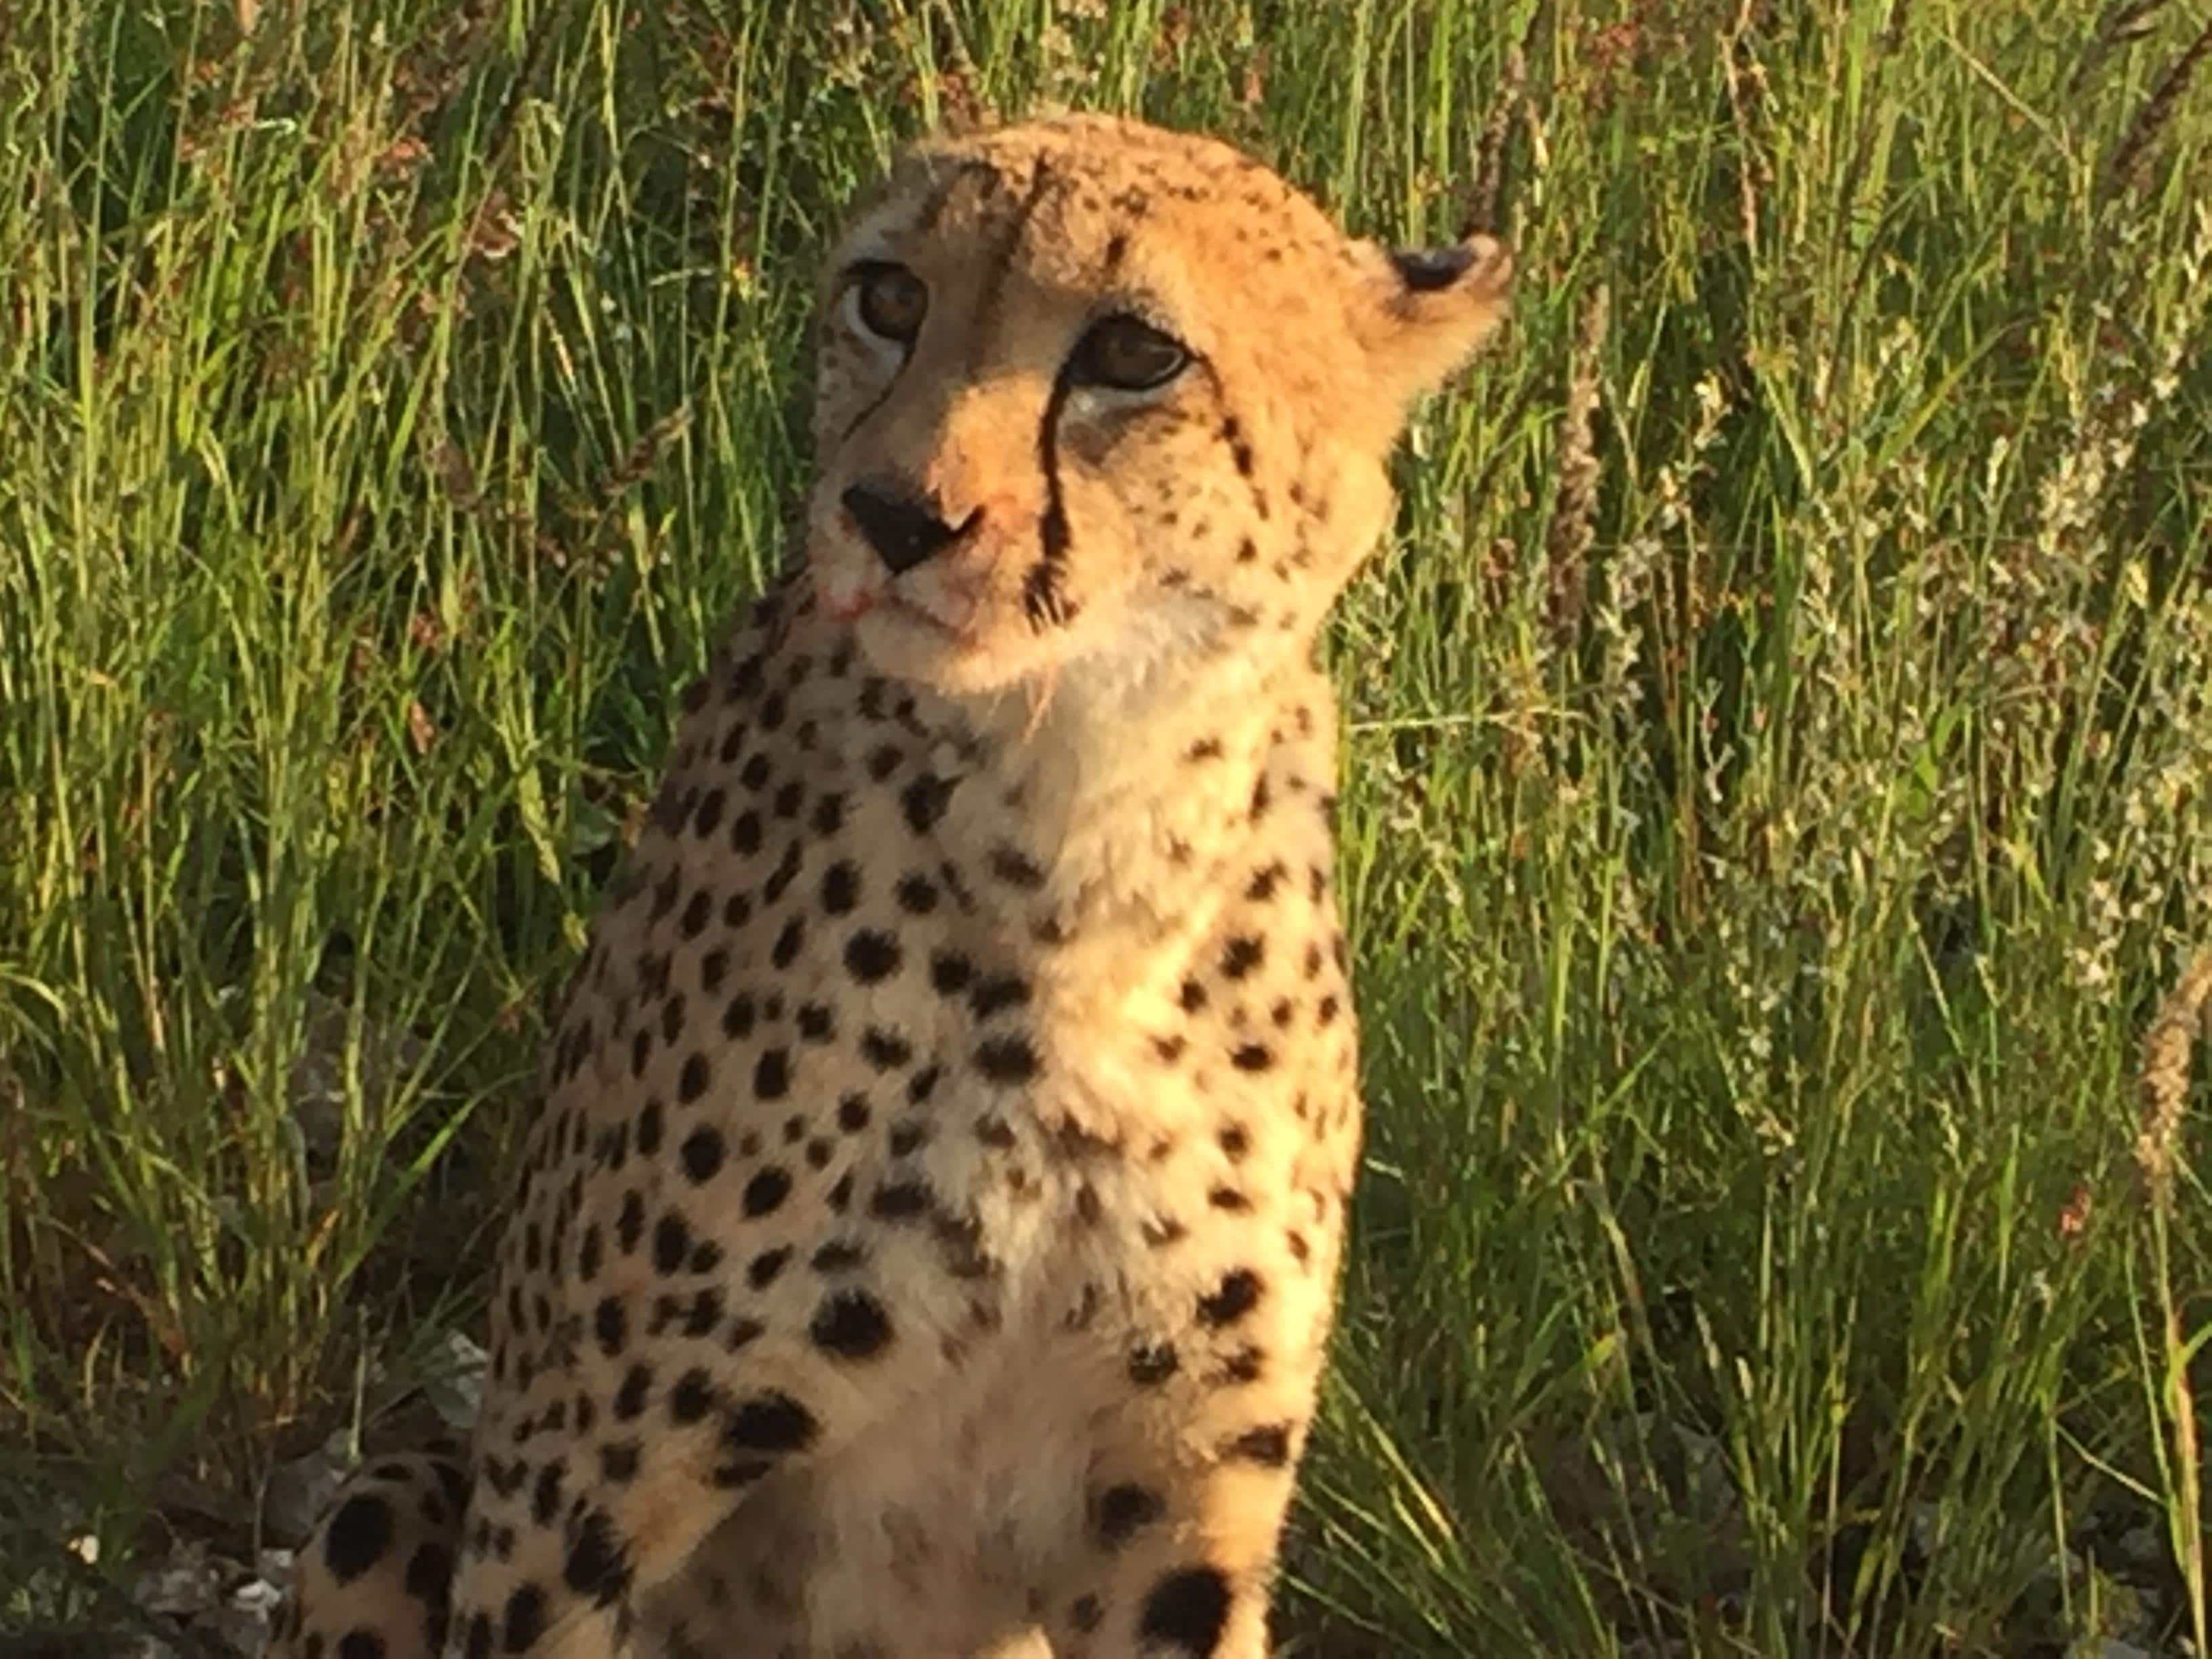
(1191, 1475)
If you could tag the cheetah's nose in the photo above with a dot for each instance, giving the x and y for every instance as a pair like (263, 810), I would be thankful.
(904, 532)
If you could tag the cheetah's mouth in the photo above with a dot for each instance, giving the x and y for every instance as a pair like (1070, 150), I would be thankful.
(913, 609)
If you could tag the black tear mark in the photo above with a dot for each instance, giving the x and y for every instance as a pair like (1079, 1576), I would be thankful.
(875, 401)
(1043, 601)
(1423, 270)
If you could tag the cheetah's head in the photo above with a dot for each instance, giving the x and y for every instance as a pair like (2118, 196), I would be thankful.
(1096, 398)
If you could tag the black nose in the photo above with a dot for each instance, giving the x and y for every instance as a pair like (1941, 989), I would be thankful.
(903, 530)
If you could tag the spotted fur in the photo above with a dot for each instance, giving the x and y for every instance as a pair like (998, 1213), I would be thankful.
(928, 1240)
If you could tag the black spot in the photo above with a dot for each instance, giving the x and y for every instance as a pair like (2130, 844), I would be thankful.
(839, 1255)
(1241, 956)
(702, 1154)
(629, 1398)
(1238, 1294)
(597, 1566)
(706, 1312)
(828, 814)
(1015, 868)
(430, 1574)
(672, 1242)
(917, 894)
(770, 1422)
(1124, 1510)
(1268, 1445)
(872, 956)
(618, 1462)
(785, 872)
(1251, 1057)
(1007, 1060)
(1193, 997)
(924, 801)
(852, 1114)
(766, 1191)
(841, 888)
(692, 1397)
(1188, 1610)
(696, 914)
(772, 1074)
(852, 1325)
(950, 973)
(1245, 1365)
(629, 1225)
(997, 994)
(545, 1495)
(901, 1200)
(884, 1050)
(360, 1644)
(788, 944)
(357, 1537)
(738, 1017)
(692, 1081)
(762, 1270)
(745, 831)
(1086, 1614)
(525, 1617)
(649, 1126)
(1154, 1364)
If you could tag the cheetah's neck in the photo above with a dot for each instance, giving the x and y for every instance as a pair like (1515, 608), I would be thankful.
(1141, 810)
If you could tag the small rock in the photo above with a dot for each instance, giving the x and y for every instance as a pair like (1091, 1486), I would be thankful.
(183, 1586)
(297, 1491)
(2143, 1547)
(457, 1393)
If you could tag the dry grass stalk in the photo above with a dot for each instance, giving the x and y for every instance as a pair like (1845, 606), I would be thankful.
(2158, 110)
(1746, 83)
(2185, 1015)
(2123, 21)
(1486, 197)
(1574, 505)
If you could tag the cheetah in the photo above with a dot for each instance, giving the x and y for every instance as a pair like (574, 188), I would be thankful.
(928, 1240)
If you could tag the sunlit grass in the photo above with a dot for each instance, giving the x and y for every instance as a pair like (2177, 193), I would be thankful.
(1765, 862)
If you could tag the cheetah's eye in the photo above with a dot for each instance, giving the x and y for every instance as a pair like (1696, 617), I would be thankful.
(1128, 354)
(891, 300)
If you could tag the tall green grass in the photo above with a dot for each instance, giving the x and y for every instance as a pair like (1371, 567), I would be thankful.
(1778, 782)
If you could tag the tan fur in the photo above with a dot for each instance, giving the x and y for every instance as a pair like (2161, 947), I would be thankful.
(929, 1239)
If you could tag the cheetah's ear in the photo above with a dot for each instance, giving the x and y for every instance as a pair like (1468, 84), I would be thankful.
(1429, 309)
